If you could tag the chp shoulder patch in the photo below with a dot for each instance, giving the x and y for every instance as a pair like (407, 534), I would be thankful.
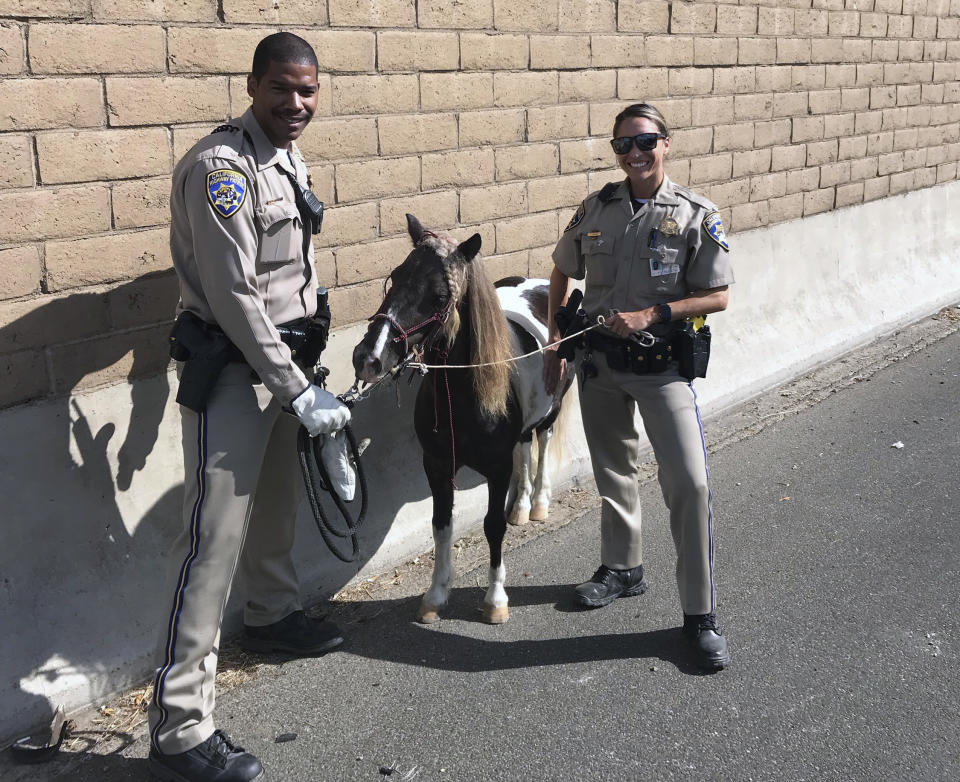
(714, 228)
(226, 190)
(577, 217)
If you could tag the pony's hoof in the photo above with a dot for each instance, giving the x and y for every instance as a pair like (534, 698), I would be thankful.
(496, 615)
(518, 517)
(427, 615)
(539, 512)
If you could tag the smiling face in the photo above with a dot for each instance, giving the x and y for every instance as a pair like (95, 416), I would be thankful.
(643, 167)
(284, 100)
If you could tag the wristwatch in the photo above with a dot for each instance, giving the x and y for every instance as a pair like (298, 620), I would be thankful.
(664, 313)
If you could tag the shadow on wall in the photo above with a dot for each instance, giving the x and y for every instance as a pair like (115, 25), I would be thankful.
(92, 495)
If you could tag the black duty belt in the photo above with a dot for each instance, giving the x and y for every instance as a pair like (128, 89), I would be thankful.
(627, 355)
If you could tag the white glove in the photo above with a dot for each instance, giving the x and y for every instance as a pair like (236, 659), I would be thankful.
(320, 411)
(336, 459)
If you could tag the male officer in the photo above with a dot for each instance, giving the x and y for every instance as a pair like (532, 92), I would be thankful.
(653, 254)
(240, 240)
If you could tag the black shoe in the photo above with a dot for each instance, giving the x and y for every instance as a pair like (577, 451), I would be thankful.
(707, 640)
(296, 634)
(215, 760)
(607, 585)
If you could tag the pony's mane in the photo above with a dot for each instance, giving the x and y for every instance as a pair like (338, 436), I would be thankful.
(489, 332)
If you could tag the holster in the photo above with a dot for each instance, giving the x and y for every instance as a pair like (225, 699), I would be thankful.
(315, 333)
(570, 319)
(205, 351)
(692, 350)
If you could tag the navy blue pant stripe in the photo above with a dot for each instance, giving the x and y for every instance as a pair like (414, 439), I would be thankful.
(706, 467)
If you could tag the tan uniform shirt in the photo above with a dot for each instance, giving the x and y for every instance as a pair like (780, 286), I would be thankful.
(671, 247)
(237, 243)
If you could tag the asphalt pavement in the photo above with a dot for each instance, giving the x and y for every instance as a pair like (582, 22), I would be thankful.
(838, 564)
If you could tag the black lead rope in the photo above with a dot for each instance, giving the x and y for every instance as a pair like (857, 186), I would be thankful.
(317, 480)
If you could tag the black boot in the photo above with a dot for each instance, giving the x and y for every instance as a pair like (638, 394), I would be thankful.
(215, 760)
(296, 634)
(707, 640)
(607, 585)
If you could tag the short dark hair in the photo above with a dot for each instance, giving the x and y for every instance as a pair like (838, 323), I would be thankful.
(282, 47)
(642, 110)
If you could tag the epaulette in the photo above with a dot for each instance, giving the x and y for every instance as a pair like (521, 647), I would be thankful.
(224, 129)
(607, 191)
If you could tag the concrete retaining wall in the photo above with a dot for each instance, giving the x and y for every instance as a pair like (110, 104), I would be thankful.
(90, 484)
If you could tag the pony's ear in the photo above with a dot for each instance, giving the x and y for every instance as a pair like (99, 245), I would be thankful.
(415, 229)
(470, 248)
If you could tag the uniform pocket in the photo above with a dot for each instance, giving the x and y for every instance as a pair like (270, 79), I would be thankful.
(598, 257)
(281, 237)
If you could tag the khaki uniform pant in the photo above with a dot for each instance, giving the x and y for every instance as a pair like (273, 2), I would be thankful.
(241, 492)
(671, 419)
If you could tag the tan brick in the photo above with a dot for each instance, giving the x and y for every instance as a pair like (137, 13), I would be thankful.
(20, 272)
(603, 116)
(896, 73)
(349, 225)
(119, 256)
(39, 322)
(114, 354)
(711, 168)
(321, 180)
(839, 125)
(834, 174)
(23, 377)
(556, 192)
(911, 50)
(708, 111)
(643, 16)
(527, 161)
(541, 262)
(844, 23)
(868, 121)
(456, 169)
(693, 18)
(213, 50)
(807, 128)
(342, 51)
(488, 236)
(902, 182)
(726, 194)
(420, 51)
(824, 101)
(737, 81)
(587, 85)
(45, 8)
(289, 12)
(924, 27)
(841, 76)
(816, 201)
(370, 261)
(390, 94)
(488, 203)
(587, 16)
(526, 15)
(679, 172)
(552, 123)
(946, 172)
(803, 180)
(870, 75)
(525, 89)
(914, 158)
(756, 51)
(825, 50)
(642, 83)
(890, 163)
(50, 103)
(883, 97)
(376, 178)
(855, 99)
(885, 51)
(766, 134)
(714, 51)
(944, 71)
(155, 101)
(908, 95)
(12, 58)
(852, 147)
(791, 50)
(497, 267)
(102, 154)
(905, 139)
(925, 177)
(788, 157)
(584, 155)
(876, 188)
(669, 50)
(678, 112)
(407, 133)
(520, 233)
(597, 179)
(372, 13)
(736, 20)
(788, 207)
(849, 194)
(768, 186)
(446, 91)
(40, 214)
(470, 15)
(878, 143)
(336, 139)
(690, 81)
(808, 77)
(773, 78)
(691, 141)
(810, 22)
(948, 28)
(185, 136)
(936, 155)
(753, 106)
(155, 10)
(478, 128)
(921, 71)
(558, 52)
(727, 138)
(756, 161)
(16, 161)
(149, 299)
(873, 25)
(615, 51)
(747, 216)
(438, 210)
(486, 52)
(141, 203)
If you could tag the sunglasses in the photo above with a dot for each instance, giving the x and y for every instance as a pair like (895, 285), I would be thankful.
(645, 141)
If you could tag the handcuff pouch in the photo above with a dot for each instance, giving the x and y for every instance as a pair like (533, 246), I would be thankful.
(693, 351)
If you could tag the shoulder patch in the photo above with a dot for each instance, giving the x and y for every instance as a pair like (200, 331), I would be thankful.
(714, 228)
(226, 191)
(607, 191)
(577, 217)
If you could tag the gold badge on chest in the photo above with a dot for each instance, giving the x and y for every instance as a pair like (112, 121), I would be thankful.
(669, 226)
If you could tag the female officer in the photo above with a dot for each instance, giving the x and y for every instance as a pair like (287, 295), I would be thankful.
(653, 254)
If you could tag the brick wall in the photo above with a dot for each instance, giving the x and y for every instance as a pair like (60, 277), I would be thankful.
(477, 115)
